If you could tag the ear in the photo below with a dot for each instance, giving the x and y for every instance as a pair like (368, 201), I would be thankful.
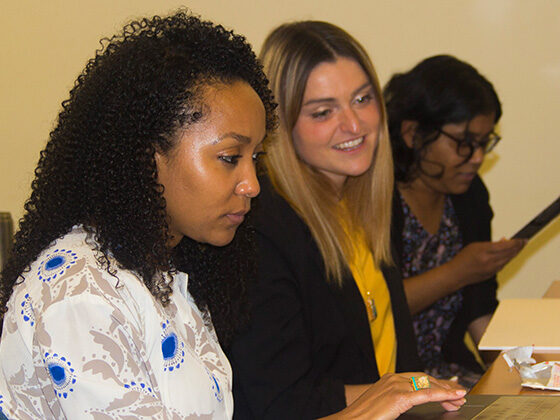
(408, 132)
(161, 163)
(158, 158)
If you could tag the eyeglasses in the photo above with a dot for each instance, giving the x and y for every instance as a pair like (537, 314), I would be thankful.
(467, 145)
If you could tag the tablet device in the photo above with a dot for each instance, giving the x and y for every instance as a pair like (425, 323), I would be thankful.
(540, 221)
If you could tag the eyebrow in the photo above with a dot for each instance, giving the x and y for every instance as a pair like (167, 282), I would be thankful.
(322, 100)
(468, 133)
(239, 137)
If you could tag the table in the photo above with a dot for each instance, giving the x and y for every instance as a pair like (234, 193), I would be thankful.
(499, 379)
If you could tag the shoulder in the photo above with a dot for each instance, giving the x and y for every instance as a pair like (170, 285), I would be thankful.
(397, 215)
(473, 211)
(475, 202)
(65, 283)
(284, 241)
(270, 204)
(274, 216)
(69, 269)
(64, 257)
(477, 192)
(478, 189)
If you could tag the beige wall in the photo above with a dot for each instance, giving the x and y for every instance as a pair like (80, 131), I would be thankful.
(515, 43)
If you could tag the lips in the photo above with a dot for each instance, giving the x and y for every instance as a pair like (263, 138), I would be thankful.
(350, 145)
(237, 218)
(467, 175)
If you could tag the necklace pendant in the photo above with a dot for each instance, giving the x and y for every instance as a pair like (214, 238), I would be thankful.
(370, 307)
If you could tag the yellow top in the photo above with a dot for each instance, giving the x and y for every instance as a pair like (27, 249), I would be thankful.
(375, 293)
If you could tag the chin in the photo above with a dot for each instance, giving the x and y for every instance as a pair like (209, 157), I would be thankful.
(222, 239)
(460, 188)
(356, 170)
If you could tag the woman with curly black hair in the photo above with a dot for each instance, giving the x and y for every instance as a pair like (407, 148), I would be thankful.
(156, 144)
(442, 116)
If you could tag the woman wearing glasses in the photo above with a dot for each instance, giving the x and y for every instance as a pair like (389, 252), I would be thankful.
(442, 116)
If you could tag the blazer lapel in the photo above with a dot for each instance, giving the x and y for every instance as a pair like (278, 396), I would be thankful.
(353, 308)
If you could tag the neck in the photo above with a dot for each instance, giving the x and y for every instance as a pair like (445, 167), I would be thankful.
(418, 192)
(337, 182)
(425, 203)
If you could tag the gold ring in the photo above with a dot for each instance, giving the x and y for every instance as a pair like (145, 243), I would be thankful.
(420, 382)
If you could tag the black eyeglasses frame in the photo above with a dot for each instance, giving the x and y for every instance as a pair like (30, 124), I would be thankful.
(470, 145)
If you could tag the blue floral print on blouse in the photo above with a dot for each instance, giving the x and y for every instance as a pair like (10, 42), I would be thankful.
(172, 349)
(55, 264)
(27, 310)
(61, 372)
(423, 251)
(81, 342)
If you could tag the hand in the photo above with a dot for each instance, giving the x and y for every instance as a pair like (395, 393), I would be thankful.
(393, 395)
(479, 261)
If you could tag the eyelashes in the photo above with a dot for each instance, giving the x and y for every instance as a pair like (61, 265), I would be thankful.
(234, 159)
(321, 114)
(230, 159)
(258, 156)
(358, 101)
(364, 99)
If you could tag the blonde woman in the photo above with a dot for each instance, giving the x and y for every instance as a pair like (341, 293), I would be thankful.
(329, 316)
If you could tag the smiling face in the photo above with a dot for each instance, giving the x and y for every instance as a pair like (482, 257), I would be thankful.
(442, 153)
(209, 175)
(337, 128)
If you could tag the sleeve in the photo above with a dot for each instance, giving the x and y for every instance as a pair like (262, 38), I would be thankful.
(95, 362)
(475, 216)
(407, 353)
(479, 299)
(275, 376)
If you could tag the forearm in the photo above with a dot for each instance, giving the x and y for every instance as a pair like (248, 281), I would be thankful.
(425, 289)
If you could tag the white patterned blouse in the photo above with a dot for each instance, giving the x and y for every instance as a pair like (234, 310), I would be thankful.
(80, 343)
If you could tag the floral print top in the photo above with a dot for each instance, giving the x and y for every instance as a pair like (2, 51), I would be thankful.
(423, 251)
(80, 343)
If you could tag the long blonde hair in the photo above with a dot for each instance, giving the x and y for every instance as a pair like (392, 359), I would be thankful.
(289, 54)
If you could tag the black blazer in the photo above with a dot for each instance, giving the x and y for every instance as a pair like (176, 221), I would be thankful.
(474, 216)
(307, 338)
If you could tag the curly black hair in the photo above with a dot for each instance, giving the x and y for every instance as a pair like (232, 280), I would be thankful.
(437, 91)
(98, 168)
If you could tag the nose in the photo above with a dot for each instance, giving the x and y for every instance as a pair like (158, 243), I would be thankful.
(477, 156)
(248, 186)
(350, 122)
